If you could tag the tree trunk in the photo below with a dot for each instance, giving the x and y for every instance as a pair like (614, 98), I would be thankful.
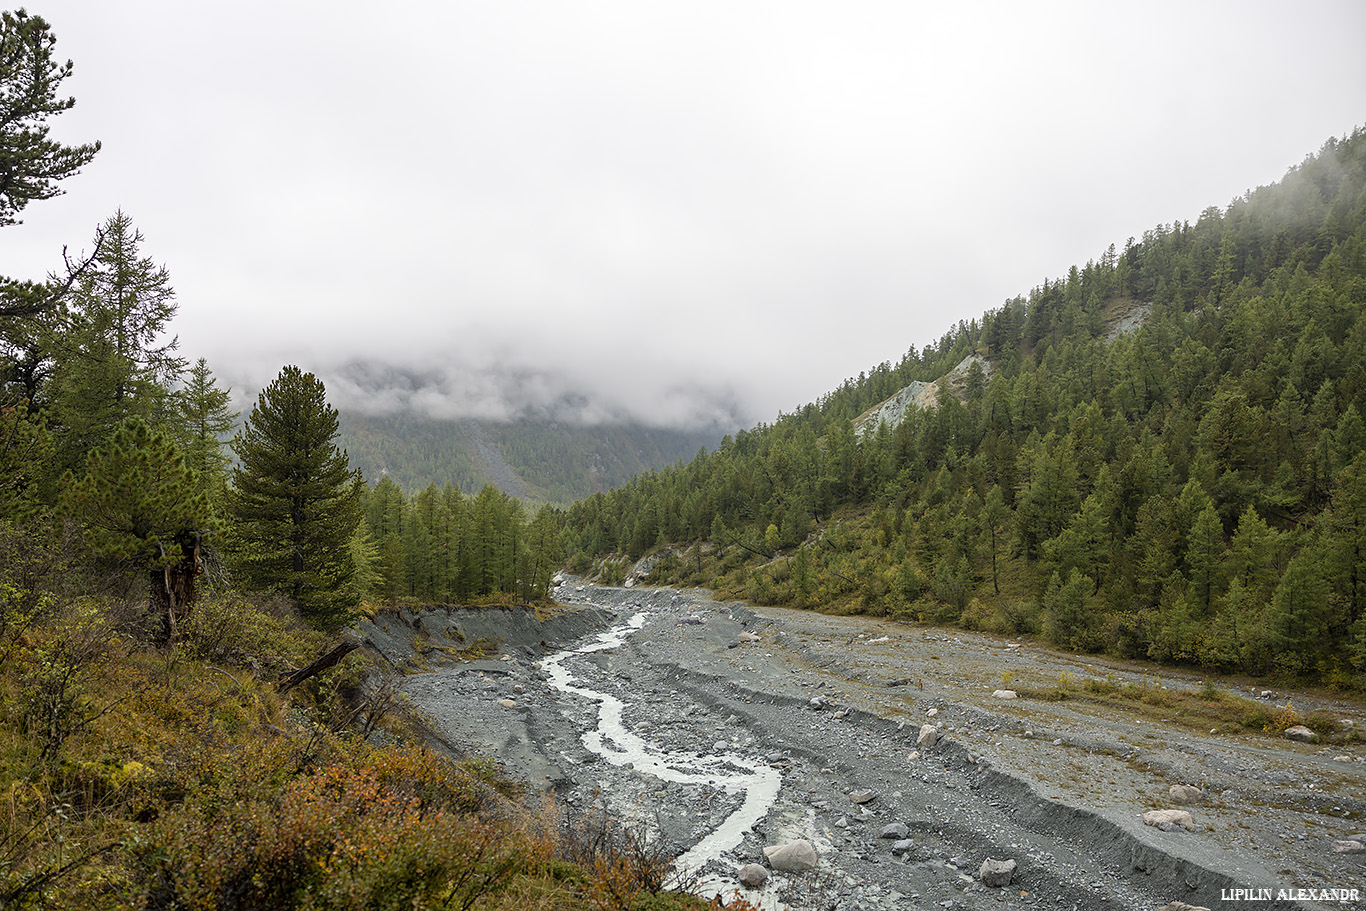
(317, 667)
(173, 588)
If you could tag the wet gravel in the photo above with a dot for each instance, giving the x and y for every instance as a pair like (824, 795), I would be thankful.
(836, 705)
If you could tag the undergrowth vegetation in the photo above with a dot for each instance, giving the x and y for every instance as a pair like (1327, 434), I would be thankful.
(189, 778)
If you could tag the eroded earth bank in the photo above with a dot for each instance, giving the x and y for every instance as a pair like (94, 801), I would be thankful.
(744, 728)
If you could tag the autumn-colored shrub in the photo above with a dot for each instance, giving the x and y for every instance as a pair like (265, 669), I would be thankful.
(373, 829)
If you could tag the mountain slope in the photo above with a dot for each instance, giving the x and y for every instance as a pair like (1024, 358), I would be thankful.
(534, 461)
(1166, 457)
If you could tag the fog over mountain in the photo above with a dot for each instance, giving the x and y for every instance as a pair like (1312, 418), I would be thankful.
(498, 392)
(678, 212)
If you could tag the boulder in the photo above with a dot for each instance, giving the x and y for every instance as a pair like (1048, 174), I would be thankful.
(1301, 734)
(896, 830)
(996, 873)
(903, 846)
(1005, 694)
(1348, 846)
(793, 857)
(752, 876)
(1185, 794)
(508, 703)
(1169, 817)
(862, 797)
(929, 735)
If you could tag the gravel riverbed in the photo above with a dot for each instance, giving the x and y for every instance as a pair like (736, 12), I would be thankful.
(837, 706)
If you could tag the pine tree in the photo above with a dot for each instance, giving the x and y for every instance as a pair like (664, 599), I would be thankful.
(30, 162)
(139, 504)
(295, 501)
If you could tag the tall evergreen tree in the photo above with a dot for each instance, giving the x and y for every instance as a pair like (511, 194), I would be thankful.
(204, 419)
(116, 360)
(31, 163)
(295, 501)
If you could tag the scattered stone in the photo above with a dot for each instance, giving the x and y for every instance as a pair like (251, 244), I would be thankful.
(508, 703)
(914, 755)
(996, 873)
(862, 797)
(1361, 838)
(1301, 734)
(721, 746)
(752, 876)
(1004, 694)
(1172, 817)
(1349, 846)
(818, 702)
(932, 712)
(690, 621)
(518, 689)
(902, 846)
(793, 857)
(748, 637)
(1185, 794)
(842, 822)
(1343, 758)
(929, 735)
(896, 830)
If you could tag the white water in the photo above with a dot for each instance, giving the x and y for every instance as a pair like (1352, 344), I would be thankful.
(732, 773)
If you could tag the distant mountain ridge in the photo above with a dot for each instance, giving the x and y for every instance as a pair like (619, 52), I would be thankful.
(536, 461)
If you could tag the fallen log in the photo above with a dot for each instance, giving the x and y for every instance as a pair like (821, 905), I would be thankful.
(344, 648)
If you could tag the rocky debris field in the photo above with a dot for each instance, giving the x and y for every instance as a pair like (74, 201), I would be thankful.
(912, 775)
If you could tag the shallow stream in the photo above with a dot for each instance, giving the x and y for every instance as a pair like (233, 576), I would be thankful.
(729, 772)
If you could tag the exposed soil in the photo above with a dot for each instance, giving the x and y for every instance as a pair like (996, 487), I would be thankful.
(1057, 786)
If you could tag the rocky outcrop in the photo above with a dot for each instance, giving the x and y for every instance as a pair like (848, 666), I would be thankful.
(920, 395)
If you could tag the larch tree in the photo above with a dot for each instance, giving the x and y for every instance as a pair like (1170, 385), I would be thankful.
(117, 360)
(295, 502)
(204, 418)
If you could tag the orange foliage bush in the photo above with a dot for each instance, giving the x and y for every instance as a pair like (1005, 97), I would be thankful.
(386, 829)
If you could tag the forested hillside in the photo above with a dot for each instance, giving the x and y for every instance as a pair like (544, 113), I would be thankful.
(1193, 490)
(538, 462)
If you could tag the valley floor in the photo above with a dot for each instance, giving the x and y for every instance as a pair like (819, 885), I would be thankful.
(836, 705)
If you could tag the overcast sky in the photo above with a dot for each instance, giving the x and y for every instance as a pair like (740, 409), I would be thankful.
(679, 210)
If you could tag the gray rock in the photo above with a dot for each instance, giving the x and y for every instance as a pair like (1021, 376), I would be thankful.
(1185, 794)
(929, 735)
(996, 873)
(862, 797)
(1170, 817)
(896, 830)
(903, 846)
(793, 857)
(1301, 734)
(752, 876)
(1349, 846)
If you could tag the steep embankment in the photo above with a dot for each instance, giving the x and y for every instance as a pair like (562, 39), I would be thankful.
(838, 705)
